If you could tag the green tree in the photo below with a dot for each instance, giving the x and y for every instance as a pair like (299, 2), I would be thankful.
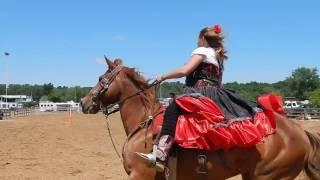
(251, 90)
(36, 92)
(47, 92)
(47, 88)
(282, 88)
(169, 87)
(315, 98)
(82, 92)
(303, 81)
(55, 95)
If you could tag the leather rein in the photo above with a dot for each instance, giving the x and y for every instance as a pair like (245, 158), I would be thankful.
(104, 84)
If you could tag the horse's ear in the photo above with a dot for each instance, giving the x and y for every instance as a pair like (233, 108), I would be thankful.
(111, 65)
(118, 62)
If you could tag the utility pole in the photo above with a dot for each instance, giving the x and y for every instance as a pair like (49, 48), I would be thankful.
(75, 93)
(6, 54)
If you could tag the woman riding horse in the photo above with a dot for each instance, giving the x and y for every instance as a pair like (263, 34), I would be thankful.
(279, 150)
(203, 74)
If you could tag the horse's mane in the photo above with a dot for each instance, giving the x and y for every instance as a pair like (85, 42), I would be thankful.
(136, 78)
(139, 81)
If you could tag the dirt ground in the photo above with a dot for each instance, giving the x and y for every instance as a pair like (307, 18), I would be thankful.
(49, 147)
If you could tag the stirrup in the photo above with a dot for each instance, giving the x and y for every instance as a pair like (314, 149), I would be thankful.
(152, 161)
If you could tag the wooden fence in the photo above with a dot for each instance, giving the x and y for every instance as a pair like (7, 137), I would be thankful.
(303, 113)
(21, 112)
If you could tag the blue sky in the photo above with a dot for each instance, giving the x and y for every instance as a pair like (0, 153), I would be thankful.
(63, 42)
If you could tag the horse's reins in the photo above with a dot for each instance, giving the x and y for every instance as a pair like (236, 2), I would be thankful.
(104, 83)
(112, 141)
(130, 96)
(144, 124)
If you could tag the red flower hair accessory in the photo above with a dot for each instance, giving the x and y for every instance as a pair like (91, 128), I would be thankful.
(217, 29)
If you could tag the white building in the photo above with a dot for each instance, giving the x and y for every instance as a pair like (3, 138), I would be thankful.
(45, 106)
(13, 101)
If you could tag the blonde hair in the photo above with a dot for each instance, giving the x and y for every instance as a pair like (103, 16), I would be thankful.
(216, 41)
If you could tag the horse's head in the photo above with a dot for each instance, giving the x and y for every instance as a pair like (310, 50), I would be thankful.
(106, 91)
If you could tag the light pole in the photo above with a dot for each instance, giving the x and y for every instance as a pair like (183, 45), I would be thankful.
(75, 93)
(6, 54)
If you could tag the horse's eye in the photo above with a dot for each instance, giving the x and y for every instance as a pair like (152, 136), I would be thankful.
(100, 78)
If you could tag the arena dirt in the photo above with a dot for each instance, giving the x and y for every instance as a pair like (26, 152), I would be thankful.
(49, 147)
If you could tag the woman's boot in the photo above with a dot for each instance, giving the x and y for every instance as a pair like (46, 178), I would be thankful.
(162, 153)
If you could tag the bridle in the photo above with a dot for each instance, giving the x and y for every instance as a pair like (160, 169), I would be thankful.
(104, 84)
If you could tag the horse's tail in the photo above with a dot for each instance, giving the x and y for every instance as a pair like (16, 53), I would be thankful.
(312, 168)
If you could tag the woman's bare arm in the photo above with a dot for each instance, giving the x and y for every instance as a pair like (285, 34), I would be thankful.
(185, 70)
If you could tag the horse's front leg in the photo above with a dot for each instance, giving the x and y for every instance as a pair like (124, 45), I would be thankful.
(135, 166)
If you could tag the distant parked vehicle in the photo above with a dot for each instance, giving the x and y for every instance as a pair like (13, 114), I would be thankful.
(291, 104)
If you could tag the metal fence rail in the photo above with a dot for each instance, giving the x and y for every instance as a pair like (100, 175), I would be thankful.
(303, 113)
(295, 113)
(21, 112)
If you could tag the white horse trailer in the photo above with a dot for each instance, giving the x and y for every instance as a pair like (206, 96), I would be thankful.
(47, 106)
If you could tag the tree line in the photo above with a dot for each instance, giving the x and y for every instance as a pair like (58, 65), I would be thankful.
(47, 92)
(304, 83)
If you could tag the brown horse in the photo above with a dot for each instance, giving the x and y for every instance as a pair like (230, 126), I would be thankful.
(282, 155)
